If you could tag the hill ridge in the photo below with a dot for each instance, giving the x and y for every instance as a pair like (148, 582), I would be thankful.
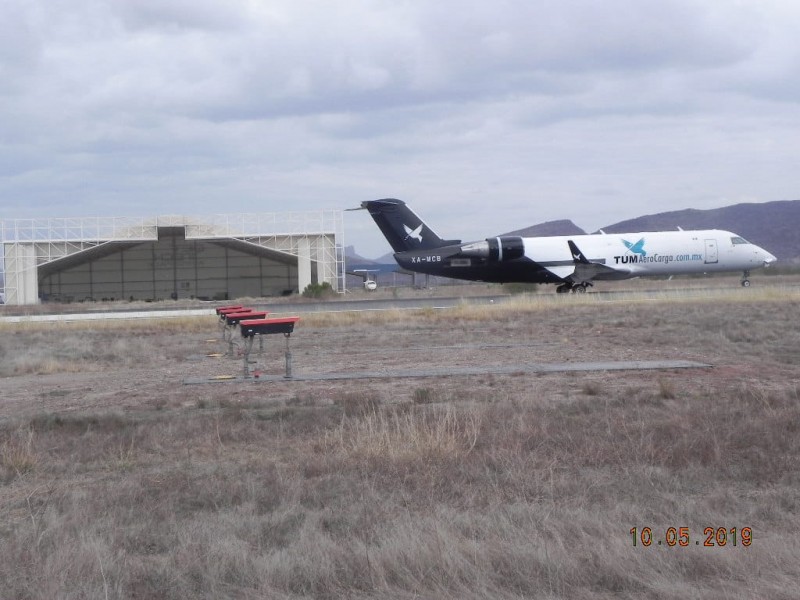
(771, 225)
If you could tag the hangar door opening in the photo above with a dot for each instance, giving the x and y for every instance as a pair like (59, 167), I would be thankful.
(171, 268)
(127, 258)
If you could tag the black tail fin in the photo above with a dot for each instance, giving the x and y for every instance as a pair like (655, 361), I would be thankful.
(402, 228)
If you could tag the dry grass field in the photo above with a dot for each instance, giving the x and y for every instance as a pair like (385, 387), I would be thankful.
(119, 481)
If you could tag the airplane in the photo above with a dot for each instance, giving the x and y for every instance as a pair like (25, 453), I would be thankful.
(369, 284)
(573, 262)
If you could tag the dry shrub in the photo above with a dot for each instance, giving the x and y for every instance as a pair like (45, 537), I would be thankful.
(355, 317)
(666, 389)
(356, 404)
(142, 326)
(106, 422)
(592, 388)
(17, 455)
(30, 364)
(72, 351)
(410, 435)
(423, 396)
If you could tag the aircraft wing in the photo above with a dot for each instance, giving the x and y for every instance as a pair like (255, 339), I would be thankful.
(582, 269)
(592, 270)
(561, 271)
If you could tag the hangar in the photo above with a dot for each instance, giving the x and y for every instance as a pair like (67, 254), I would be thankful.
(216, 257)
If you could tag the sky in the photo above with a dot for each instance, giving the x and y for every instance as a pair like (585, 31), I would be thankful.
(484, 116)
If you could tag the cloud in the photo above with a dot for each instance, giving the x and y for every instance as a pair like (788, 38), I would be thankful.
(179, 15)
(508, 110)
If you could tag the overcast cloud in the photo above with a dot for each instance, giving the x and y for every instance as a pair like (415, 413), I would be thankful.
(484, 116)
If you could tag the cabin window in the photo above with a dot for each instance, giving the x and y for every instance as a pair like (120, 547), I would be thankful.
(738, 240)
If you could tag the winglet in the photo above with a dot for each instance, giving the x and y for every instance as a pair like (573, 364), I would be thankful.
(577, 255)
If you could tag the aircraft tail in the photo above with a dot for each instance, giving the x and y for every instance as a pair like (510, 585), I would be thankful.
(402, 228)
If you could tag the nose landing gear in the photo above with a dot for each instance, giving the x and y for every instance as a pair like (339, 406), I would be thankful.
(746, 279)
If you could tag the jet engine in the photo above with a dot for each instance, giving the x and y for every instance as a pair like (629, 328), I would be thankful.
(496, 249)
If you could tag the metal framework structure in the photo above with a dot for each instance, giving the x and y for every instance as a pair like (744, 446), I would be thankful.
(28, 244)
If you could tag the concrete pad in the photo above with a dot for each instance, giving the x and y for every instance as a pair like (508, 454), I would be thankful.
(532, 368)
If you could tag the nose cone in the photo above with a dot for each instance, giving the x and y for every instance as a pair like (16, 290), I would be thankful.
(767, 258)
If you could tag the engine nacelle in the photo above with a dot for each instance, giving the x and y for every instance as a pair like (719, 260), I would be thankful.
(496, 249)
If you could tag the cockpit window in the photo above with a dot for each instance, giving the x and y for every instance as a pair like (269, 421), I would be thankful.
(738, 240)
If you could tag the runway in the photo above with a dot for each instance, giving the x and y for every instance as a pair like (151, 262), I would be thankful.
(276, 308)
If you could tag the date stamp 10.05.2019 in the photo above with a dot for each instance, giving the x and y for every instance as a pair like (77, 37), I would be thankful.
(682, 537)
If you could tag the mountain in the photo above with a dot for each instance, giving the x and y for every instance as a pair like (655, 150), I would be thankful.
(561, 227)
(386, 259)
(353, 258)
(771, 225)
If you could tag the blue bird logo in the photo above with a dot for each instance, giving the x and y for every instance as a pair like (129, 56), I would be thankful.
(637, 248)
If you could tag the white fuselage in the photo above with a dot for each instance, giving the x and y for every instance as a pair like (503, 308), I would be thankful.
(650, 253)
(572, 262)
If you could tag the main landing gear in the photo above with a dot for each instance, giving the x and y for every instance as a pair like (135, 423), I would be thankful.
(578, 288)
(746, 279)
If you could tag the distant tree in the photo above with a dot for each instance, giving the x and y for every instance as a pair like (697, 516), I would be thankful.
(319, 290)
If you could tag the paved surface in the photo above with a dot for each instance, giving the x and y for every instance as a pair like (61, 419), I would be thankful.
(377, 304)
(639, 365)
(275, 308)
